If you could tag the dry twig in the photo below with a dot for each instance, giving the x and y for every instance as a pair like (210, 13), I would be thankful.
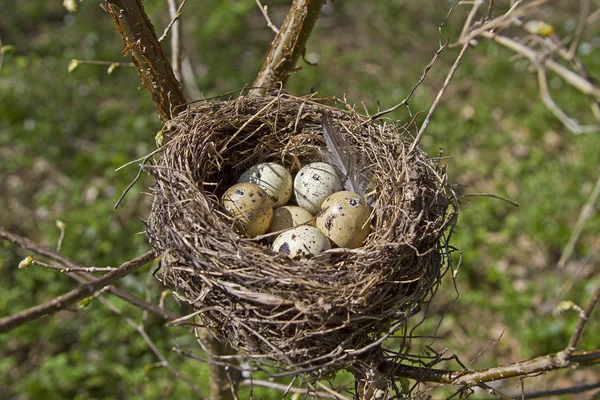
(61, 302)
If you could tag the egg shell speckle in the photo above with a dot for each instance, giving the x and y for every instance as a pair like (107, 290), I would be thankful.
(314, 183)
(301, 242)
(345, 219)
(273, 179)
(251, 207)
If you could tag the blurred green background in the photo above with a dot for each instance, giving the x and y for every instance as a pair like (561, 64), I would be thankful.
(62, 135)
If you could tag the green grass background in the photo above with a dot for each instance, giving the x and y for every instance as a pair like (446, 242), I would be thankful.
(62, 135)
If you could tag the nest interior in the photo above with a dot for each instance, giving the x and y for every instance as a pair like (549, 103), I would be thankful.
(311, 314)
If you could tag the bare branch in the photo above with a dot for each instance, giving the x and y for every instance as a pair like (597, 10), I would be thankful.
(148, 56)
(519, 369)
(288, 45)
(438, 98)
(573, 79)
(61, 302)
(83, 277)
(569, 123)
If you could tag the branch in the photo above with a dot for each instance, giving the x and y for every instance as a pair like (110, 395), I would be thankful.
(79, 293)
(535, 57)
(148, 56)
(519, 369)
(83, 277)
(288, 45)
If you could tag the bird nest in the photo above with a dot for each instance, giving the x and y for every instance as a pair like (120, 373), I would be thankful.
(311, 315)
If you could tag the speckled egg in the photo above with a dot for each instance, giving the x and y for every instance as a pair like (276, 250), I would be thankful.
(289, 216)
(273, 179)
(301, 241)
(314, 183)
(345, 219)
(251, 207)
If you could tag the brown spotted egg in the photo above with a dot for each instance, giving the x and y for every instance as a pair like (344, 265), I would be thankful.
(273, 179)
(250, 206)
(345, 219)
(314, 183)
(301, 241)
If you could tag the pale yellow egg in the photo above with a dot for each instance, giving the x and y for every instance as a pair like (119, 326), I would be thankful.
(250, 206)
(345, 219)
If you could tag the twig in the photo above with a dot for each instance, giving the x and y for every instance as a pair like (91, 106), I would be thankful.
(83, 277)
(558, 392)
(288, 45)
(281, 387)
(63, 269)
(175, 14)
(584, 215)
(61, 302)
(490, 10)
(421, 79)
(583, 318)
(174, 17)
(567, 121)
(573, 79)
(163, 361)
(437, 99)
(581, 25)
(60, 225)
(263, 10)
(469, 20)
(514, 203)
(109, 63)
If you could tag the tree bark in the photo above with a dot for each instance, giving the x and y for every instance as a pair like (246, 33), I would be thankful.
(148, 56)
(288, 45)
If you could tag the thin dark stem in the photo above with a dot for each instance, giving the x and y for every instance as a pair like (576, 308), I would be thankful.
(558, 392)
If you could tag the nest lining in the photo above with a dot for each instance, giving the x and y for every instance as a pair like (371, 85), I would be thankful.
(310, 315)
